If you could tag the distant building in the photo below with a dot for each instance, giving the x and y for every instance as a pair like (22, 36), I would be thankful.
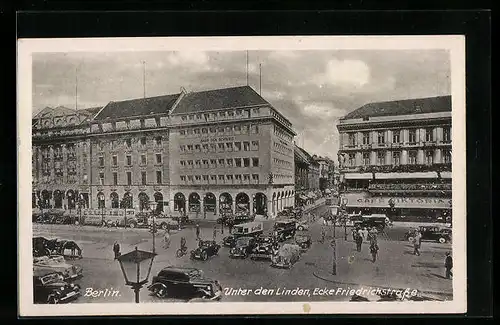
(326, 172)
(395, 158)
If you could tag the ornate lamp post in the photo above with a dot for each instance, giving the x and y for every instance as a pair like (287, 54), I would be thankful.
(136, 267)
(153, 205)
(333, 243)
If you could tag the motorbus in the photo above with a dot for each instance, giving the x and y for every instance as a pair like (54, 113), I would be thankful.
(109, 217)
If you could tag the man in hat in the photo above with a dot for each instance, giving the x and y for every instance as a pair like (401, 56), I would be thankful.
(197, 231)
(116, 249)
(448, 265)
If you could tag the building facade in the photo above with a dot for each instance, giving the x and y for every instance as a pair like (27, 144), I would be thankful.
(198, 153)
(395, 158)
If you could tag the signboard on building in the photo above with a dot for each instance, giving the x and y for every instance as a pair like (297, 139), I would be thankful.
(364, 201)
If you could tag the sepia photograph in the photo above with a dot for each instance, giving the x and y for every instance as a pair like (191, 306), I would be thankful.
(262, 174)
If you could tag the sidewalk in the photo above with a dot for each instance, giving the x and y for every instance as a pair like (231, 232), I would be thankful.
(396, 267)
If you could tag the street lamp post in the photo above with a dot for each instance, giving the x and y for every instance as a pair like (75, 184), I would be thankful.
(153, 205)
(333, 243)
(136, 265)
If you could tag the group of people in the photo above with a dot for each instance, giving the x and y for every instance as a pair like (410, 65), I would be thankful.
(359, 235)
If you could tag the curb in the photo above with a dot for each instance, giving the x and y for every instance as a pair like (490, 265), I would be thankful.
(439, 293)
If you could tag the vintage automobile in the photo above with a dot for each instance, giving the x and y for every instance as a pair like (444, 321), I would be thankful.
(248, 229)
(370, 221)
(40, 246)
(229, 241)
(285, 229)
(431, 233)
(286, 256)
(303, 240)
(206, 249)
(187, 283)
(264, 247)
(66, 219)
(165, 222)
(50, 288)
(183, 220)
(243, 247)
(302, 225)
(57, 264)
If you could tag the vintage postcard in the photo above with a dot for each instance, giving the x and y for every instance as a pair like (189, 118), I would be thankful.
(263, 175)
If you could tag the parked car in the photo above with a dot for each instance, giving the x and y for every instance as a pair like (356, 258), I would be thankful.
(187, 283)
(165, 222)
(183, 220)
(50, 288)
(206, 249)
(368, 221)
(243, 247)
(264, 247)
(303, 240)
(439, 234)
(285, 229)
(57, 264)
(40, 246)
(229, 241)
(286, 256)
(302, 225)
(65, 219)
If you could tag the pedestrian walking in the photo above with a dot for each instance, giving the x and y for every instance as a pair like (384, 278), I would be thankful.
(323, 234)
(416, 247)
(215, 232)
(374, 251)
(354, 233)
(448, 265)
(116, 249)
(365, 233)
(166, 239)
(198, 231)
(359, 241)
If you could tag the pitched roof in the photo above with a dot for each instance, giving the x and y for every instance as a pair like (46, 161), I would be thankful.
(304, 153)
(219, 99)
(53, 112)
(138, 107)
(403, 107)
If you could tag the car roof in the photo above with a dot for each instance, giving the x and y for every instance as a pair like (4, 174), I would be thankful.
(40, 272)
(179, 269)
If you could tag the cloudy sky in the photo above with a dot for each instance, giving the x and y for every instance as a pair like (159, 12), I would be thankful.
(313, 89)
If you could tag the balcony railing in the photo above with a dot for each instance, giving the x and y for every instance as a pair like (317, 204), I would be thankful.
(398, 168)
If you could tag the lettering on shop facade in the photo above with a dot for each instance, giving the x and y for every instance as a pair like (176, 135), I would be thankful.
(402, 202)
(217, 139)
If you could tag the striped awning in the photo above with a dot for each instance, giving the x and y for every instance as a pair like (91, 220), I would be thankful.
(358, 176)
(405, 175)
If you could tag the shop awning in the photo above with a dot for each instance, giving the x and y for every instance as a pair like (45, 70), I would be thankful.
(405, 175)
(445, 174)
(358, 176)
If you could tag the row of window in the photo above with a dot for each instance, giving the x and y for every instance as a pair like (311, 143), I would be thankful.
(227, 130)
(221, 163)
(280, 132)
(281, 119)
(127, 143)
(144, 180)
(219, 178)
(396, 158)
(397, 136)
(239, 113)
(281, 148)
(128, 158)
(221, 147)
(282, 163)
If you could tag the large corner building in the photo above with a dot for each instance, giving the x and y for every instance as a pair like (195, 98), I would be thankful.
(395, 158)
(200, 153)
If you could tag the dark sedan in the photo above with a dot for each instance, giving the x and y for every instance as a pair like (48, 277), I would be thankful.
(206, 249)
(50, 288)
(243, 247)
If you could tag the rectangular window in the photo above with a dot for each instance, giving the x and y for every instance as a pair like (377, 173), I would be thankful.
(197, 163)
(412, 136)
(255, 145)
(254, 129)
(190, 178)
(213, 178)
(205, 178)
(182, 132)
(229, 162)
(158, 158)
(143, 178)
(191, 117)
(237, 146)
(190, 163)
(143, 141)
(237, 129)
(220, 130)
(229, 146)
(101, 178)
(381, 158)
(115, 160)
(183, 163)
(396, 158)
(143, 159)
(229, 178)
(246, 177)
(366, 158)
(182, 148)
(101, 145)
(205, 163)
(255, 162)
(221, 147)
(113, 144)
(244, 129)
(352, 139)
(429, 135)
(237, 162)
(189, 131)
(158, 177)
(238, 178)
(366, 137)
(205, 148)
(221, 178)
(213, 130)
(129, 178)
(429, 157)
(196, 131)
(246, 162)
(396, 136)
(246, 146)
(412, 157)
(213, 147)
(204, 130)
(190, 148)
(446, 135)
(222, 114)
(255, 177)
(115, 178)
(129, 160)
(381, 137)
(447, 157)
(101, 161)
(352, 159)
(197, 148)
(229, 130)
(128, 143)
(221, 162)
(213, 163)
(183, 178)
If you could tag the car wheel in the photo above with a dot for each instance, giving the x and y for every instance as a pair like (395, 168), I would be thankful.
(411, 239)
(300, 228)
(52, 299)
(442, 240)
(132, 225)
(204, 256)
(160, 292)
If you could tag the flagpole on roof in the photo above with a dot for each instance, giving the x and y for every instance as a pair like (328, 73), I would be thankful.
(144, 77)
(247, 68)
(260, 79)
(76, 88)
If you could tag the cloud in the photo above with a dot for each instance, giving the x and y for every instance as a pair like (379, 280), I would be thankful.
(318, 110)
(345, 74)
(196, 61)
